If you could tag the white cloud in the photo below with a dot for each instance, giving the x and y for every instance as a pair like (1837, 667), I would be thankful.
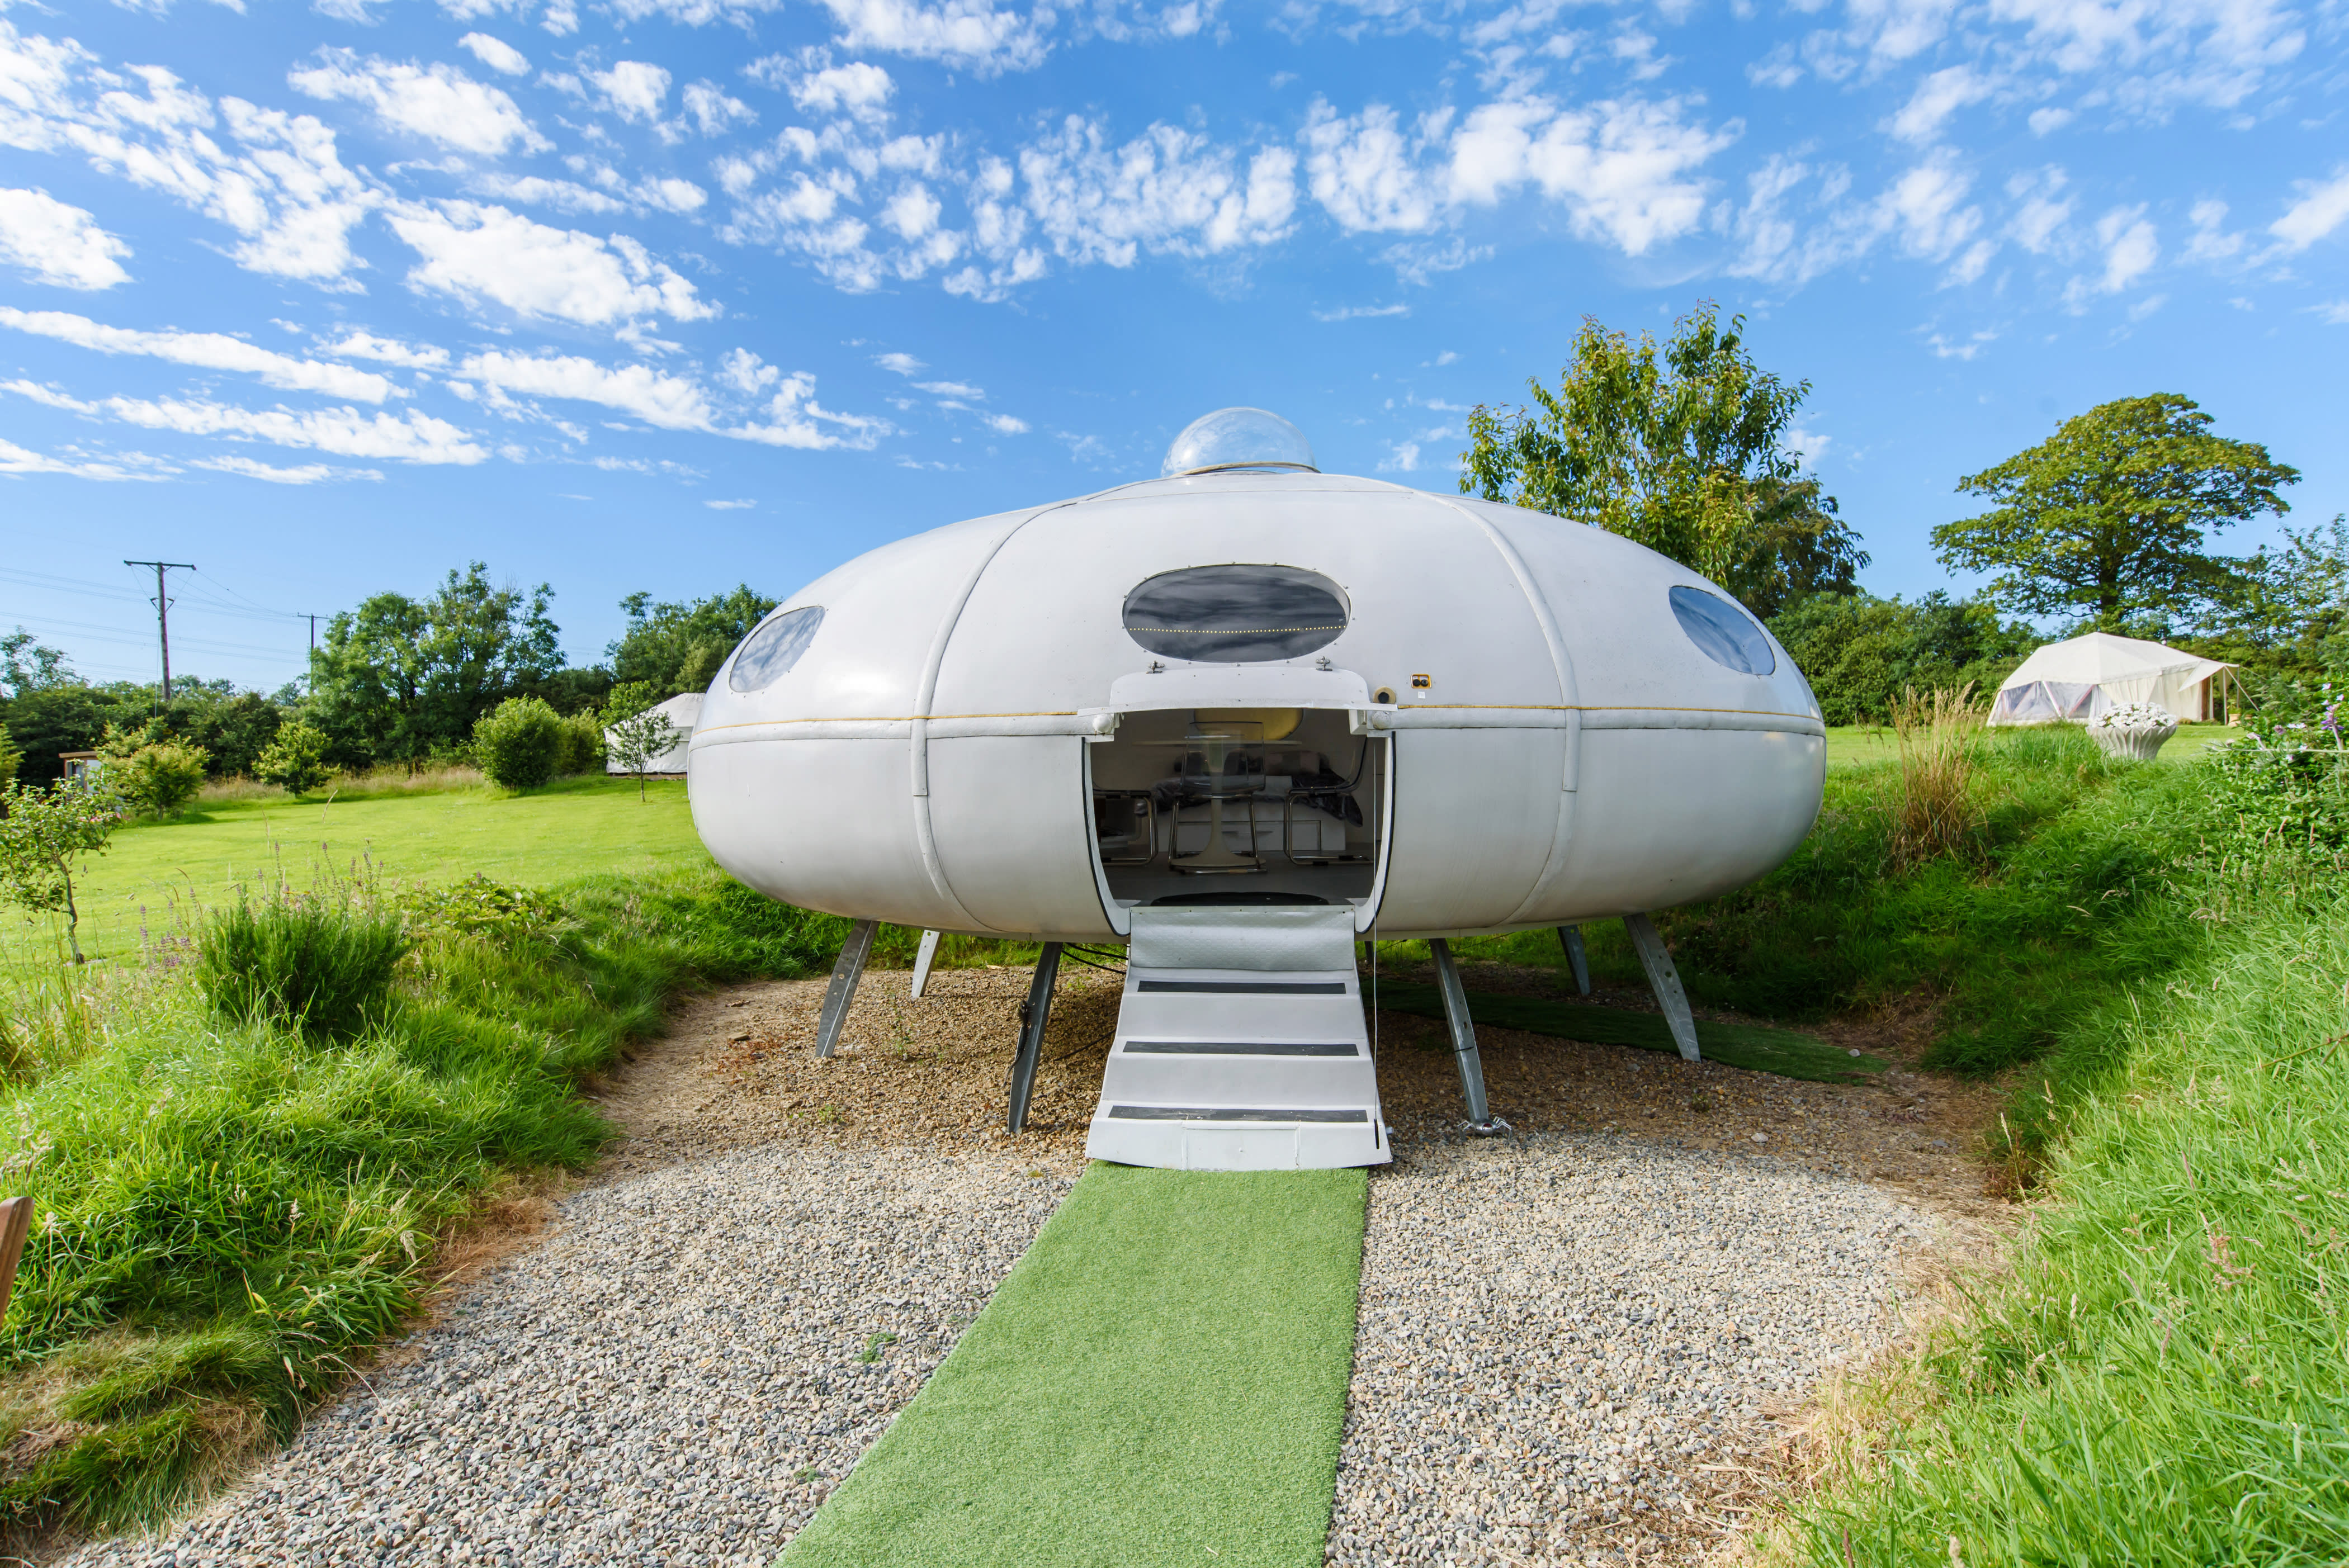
(352, 11)
(1004, 424)
(409, 437)
(496, 53)
(1808, 445)
(58, 244)
(208, 350)
(2334, 313)
(563, 195)
(1360, 312)
(16, 460)
(387, 350)
(1775, 70)
(730, 505)
(794, 419)
(970, 32)
(2211, 242)
(2130, 248)
(695, 13)
(2319, 211)
(2042, 211)
(857, 89)
(1937, 98)
(953, 389)
(278, 184)
(1619, 168)
(2047, 121)
(1168, 191)
(475, 252)
(633, 89)
(1403, 457)
(713, 111)
(1925, 207)
(307, 474)
(669, 402)
(903, 364)
(438, 102)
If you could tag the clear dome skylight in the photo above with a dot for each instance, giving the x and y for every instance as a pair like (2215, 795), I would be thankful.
(1238, 438)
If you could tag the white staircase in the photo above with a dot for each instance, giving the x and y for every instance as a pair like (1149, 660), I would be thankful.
(1240, 1045)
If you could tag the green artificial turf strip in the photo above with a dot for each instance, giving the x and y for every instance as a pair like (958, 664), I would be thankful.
(1162, 1379)
(574, 827)
(1754, 1047)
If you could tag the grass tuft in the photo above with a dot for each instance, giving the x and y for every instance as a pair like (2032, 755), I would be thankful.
(320, 963)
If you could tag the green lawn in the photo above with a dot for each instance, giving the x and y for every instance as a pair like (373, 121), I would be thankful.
(573, 828)
(1856, 745)
(1161, 1380)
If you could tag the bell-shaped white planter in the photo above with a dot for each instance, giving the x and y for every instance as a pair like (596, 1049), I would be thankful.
(2140, 743)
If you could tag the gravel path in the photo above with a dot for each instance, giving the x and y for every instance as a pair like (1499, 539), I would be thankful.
(679, 1376)
(1557, 1332)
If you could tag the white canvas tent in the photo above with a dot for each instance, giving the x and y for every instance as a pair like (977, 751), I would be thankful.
(683, 711)
(2078, 679)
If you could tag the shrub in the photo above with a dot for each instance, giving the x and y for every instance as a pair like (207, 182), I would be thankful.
(154, 777)
(11, 758)
(582, 745)
(520, 744)
(296, 761)
(319, 963)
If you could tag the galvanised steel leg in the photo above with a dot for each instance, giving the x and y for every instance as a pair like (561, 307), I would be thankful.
(928, 955)
(843, 989)
(1033, 1012)
(1665, 982)
(1568, 937)
(1481, 1120)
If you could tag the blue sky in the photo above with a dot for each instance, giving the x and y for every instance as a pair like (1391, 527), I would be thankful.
(666, 294)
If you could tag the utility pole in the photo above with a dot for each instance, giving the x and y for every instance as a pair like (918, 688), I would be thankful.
(163, 612)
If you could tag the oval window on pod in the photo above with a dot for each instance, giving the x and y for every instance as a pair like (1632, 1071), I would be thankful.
(768, 653)
(1235, 615)
(1725, 633)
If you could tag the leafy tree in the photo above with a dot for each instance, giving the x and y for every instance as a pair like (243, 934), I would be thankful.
(296, 760)
(636, 731)
(582, 745)
(1680, 445)
(399, 678)
(2288, 612)
(152, 773)
(44, 832)
(677, 648)
(11, 758)
(2105, 519)
(1861, 653)
(520, 743)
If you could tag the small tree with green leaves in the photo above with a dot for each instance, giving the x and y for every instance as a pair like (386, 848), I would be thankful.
(153, 774)
(2104, 520)
(44, 833)
(296, 761)
(11, 758)
(635, 730)
(520, 743)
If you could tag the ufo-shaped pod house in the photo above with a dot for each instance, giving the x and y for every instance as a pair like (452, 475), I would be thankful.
(1237, 718)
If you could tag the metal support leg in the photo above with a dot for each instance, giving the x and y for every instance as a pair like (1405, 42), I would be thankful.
(1481, 1120)
(923, 960)
(1033, 1012)
(843, 989)
(1665, 982)
(1570, 938)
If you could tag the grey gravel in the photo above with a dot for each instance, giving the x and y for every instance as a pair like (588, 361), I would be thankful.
(1557, 1332)
(677, 1376)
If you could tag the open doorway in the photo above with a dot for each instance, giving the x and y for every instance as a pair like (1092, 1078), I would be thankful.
(1239, 806)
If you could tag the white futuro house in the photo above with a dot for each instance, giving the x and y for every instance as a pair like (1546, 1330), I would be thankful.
(1238, 718)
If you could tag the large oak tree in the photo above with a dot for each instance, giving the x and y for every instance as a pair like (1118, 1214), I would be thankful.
(2105, 519)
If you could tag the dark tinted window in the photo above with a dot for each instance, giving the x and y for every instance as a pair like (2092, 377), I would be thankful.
(1726, 633)
(1235, 615)
(768, 653)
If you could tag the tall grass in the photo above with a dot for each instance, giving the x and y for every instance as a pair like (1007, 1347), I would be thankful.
(1934, 811)
(2164, 1376)
(229, 1209)
(321, 963)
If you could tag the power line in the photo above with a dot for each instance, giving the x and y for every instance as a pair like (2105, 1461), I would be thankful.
(163, 612)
